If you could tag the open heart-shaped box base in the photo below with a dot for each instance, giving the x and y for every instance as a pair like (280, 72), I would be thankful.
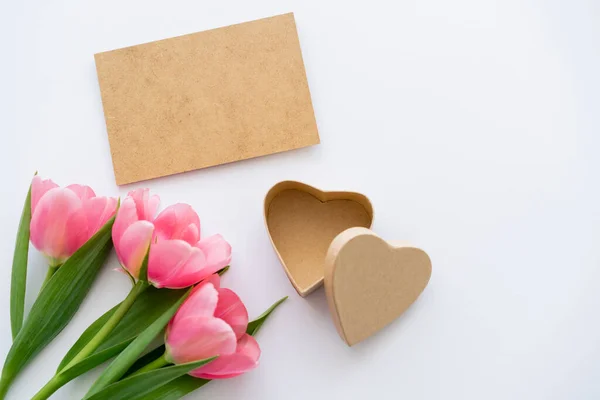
(302, 221)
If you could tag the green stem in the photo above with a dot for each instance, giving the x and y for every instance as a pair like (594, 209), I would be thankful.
(156, 364)
(49, 388)
(119, 313)
(59, 379)
(51, 271)
(4, 385)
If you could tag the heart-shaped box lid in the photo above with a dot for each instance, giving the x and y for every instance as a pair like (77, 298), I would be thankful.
(370, 282)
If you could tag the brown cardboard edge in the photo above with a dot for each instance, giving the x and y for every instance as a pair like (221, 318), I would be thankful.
(289, 13)
(240, 160)
(321, 195)
(102, 97)
(312, 106)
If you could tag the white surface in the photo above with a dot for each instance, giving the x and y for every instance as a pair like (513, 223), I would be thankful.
(472, 125)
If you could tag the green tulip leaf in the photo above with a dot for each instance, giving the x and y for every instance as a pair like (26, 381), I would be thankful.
(127, 358)
(185, 384)
(145, 310)
(254, 326)
(223, 270)
(140, 386)
(145, 359)
(56, 304)
(89, 362)
(149, 306)
(143, 274)
(19, 269)
(87, 335)
(176, 389)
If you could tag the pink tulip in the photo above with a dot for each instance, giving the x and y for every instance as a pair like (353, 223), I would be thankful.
(212, 321)
(178, 258)
(63, 219)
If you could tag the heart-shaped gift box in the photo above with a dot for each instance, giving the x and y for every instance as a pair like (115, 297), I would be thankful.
(323, 237)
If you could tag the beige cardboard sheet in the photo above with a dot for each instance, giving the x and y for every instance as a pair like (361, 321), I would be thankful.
(206, 99)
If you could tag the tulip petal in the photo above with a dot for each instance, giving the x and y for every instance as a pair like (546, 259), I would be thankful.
(201, 303)
(217, 252)
(244, 359)
(215, 279)
(98, 211)
(39, 187)
(146, 205)
(76, 232)
(58, 224)
(82, 191)
(191, 272)
(126, 216)
(191, 234)
(196, 338)
(196, 268)
(175, 264)
(133, 246)
(231, 310)
(178, 221)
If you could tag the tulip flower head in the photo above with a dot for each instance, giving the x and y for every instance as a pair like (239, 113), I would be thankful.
(177, 257)
(63, 219)
(212, 321)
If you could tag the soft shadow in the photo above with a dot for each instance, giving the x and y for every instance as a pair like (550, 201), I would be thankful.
(379, 342)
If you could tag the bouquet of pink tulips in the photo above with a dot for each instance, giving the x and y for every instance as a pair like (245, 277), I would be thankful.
(176, 285)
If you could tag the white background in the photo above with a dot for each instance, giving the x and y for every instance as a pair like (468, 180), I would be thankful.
(474, 128)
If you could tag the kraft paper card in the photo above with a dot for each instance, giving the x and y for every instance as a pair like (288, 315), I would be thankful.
(206, 99)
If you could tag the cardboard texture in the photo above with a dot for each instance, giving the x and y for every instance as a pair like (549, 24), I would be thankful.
(302, 221)
(205, 99)
(370, 282)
